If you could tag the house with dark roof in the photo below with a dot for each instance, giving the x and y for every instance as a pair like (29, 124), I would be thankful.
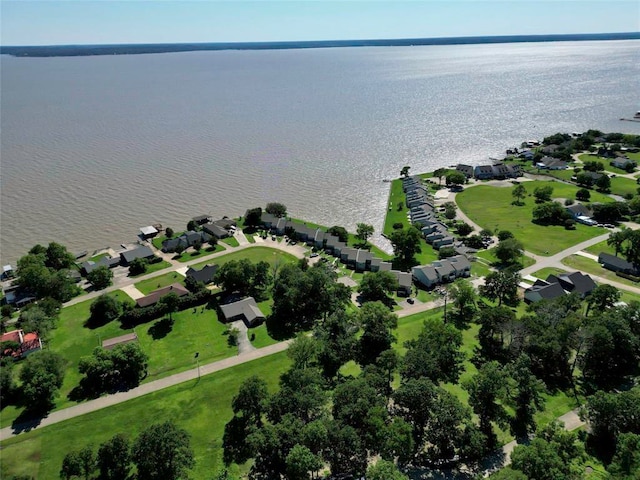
(542, 290)
(24, 343)
(425, 275)
(444, 269)
(204, 275)
(461, 265)
(141, 252)
(109, 262)
(623, 163)
(595, 176)
(246, 310)
(215, 230)
(201, 219)
(17, 296)
(483, 172)
(155, 296)
(551, 163)
(225, 223)
(442, 242)
(579, 210)
(617, 264)
(576, 282)
(186, 240)
(379, 265)
(466, 170)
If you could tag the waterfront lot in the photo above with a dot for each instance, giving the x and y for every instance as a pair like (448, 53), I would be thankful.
(491, 208)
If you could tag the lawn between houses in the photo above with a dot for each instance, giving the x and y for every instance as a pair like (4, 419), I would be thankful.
(492, 208)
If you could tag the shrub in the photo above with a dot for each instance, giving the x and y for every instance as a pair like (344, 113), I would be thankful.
(570, 224)
(569, 201)
(397, 226)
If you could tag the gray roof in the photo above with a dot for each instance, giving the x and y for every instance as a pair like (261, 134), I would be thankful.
(404, 278)
(460, 262)
(426, 271)
(544, 292)
(205, 274)
(247, 308)
(617, 262)
(579, 210)
(140, 252)
(215, 230)
(444, 268)
(363, 256)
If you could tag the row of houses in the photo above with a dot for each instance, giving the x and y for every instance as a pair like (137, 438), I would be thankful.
(442, 271)
(498, 171)
(124, 258)
(218, 229)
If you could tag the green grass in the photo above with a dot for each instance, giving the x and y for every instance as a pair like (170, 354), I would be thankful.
(250, 237)
(393, 215)
(262, 338)
(95, 258)
(153, 267)
(491, 208)
(72, 340)
(191, 254)
(489, 256)
(254, 254)
(599, 248)
(629, 297)
(623, 186)
(202, 408)
(231, 241)
(193, 330)
(543, 273)
(151, 284)
(591, 266)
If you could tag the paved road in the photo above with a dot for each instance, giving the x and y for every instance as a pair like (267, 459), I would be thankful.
(144, 389)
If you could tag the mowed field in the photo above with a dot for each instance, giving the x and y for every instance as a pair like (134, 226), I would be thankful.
(491, 208)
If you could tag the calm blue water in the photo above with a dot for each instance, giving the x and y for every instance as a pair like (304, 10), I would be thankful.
(92, 148)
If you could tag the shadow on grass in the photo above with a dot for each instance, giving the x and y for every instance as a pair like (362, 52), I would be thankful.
(278, 330)
(161, 328)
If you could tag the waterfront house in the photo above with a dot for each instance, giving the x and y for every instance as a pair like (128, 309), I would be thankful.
(246, 310)
(215, 230)
(186, 240)
(550, 163)
(17, 296)
(363, 260)
(90, 265)
(7, 272)
(378, 265)
(141, 252)
(483, 172)
(466, 170)
(148, 232)
(201, 219)
(155, 296)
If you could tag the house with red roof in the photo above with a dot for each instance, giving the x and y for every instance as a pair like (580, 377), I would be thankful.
(21, 344)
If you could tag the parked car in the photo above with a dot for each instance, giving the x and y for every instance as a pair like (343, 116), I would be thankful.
(410, 301)
(314, 255)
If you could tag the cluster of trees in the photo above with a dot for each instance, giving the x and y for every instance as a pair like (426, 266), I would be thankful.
(161, 452)
(44, 271)
(406, 243)
(244, 277)
(627, 242)
(100, 277)
(378, 287)
(121, 368)
(603, 183)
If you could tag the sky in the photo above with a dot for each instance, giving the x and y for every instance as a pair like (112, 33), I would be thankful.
(62, 22)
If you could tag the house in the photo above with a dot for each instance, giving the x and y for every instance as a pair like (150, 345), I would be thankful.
(467, 170)
(25, 343)
(576, 282)
(109, 262)
(378, 265)
(204, 275)
(425, 275)
(444, 269)
(348, 256)
(442, 242)
(526, 154)
(319, 238)
(461, 265)
(226, 223)
(542, 290)
(186, 240)
(246, 310)
(404, 282)
(17, 296)
(201, 219)
(617, 264)
(551, 163)
(595, 176)
(363, 260)
(7, 272)
(140, 252)
(215, 230)
(579, 210)
(623, 163)
(155, 296)
(148, 232)
(483, 172)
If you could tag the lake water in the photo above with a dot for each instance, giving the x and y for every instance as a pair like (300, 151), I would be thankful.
(92, 148)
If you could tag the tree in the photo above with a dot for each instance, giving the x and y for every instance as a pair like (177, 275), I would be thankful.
(170, 302)
(139, 266)
(276, 209)
(584, 180)
(109, 370)
(384, 470)
(501, 286)
(456, 178)
(632, 251)
(105, 309)
(486, 390)
(300, 462)
(377, 325)
(364, 231)
(524, 395)
(593, 166)
(41, 377)
(71, 466)
(339, 232)
(464, 299)
(543, 194)
(446, 252)
(519, 193)
(439, 173)
(509, 251)
(163, 452)
(610, 212)
(35, 319)
(602, 297)
(236, 276)
(57, 257)
(378, 286)
(625, 463)
(251, 400)
(169, 232)
(7, 385)
(434, 354)
(337, 342)
(604, 183)
(87, 458)
(405, 171)
(114, 457)
(100, 277)
(413, 401)
(406, 243)
(583, 195)
(494, 326)
(303, 352)
(464, 229)
(253, 217)
(449, 210)
(617, 240)
(192, 226)
(504, 234)
(550, 213)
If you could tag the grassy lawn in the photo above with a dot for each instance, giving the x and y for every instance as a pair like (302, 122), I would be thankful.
(72, 340)
(232, 241)
(151, 284)
(396, 195)
(491, 208)
(623, 186)
(489, 256)
(591, 266)
(171, 349)
(599, 248)
(191, 254)
(545, 272)
(153, 267)
(254, 254)
(480, 269)
(201, 407)
(262, 338)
